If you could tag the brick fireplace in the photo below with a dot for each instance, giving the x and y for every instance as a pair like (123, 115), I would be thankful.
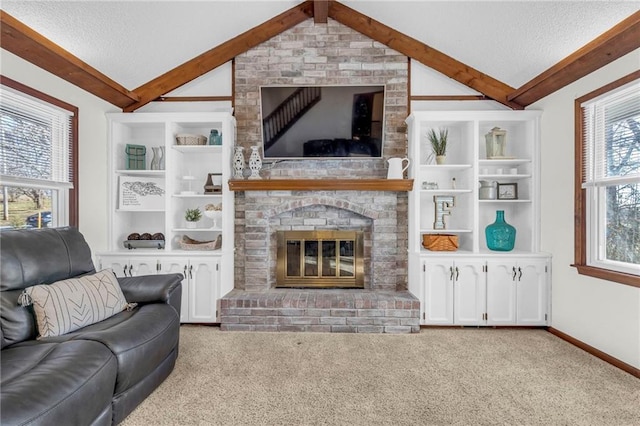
(321, 54)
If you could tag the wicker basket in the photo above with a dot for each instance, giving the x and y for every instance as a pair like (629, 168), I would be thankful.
(440, 242)
(187, 243)
(185, 139)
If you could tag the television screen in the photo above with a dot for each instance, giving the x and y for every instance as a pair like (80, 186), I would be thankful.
(322, 121)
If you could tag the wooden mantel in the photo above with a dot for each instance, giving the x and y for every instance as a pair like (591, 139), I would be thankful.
(399, 185)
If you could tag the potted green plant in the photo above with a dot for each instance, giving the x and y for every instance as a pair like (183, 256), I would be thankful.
(192, 216)
(439, 143)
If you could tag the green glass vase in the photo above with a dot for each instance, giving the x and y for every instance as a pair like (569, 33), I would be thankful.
(500, 235)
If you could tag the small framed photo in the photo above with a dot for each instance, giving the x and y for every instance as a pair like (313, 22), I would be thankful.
(507, 191)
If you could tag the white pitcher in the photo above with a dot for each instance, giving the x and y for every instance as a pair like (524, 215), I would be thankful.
(395, 167)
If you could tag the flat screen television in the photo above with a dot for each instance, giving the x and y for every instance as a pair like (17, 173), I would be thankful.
(322, 121)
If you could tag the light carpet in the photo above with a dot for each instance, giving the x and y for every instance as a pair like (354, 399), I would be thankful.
(436, 377)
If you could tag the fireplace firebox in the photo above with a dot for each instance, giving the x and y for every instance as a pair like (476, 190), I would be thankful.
(322, 258)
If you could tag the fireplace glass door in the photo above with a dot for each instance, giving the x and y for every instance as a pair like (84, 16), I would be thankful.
(320, 259)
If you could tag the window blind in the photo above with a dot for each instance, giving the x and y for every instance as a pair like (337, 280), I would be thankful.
(35, 142)
(611, 136)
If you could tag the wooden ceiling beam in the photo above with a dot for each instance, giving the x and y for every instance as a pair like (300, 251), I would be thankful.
(613, 44)
(219, 55)
(424, 54)
(31, 46)
(320, 11)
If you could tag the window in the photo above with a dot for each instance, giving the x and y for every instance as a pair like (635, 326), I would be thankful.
(38, 158)
(608, 182)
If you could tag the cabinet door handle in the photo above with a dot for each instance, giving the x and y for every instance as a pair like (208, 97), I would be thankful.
(451, 276)
(457, 273)
(514, 274)
(190, 272)
(520, 273)
(130, 270)
(185, 271)
(124, 270)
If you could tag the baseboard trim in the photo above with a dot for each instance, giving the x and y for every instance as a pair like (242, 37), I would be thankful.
(596, 352)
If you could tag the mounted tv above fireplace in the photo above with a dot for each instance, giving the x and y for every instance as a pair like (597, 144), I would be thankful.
(322, 121)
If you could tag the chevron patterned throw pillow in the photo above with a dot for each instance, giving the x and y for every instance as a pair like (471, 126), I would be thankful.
(68, 305)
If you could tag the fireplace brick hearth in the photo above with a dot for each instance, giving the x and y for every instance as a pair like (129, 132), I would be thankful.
(353, 311)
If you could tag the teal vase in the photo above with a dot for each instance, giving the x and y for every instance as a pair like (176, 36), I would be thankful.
(500, 235)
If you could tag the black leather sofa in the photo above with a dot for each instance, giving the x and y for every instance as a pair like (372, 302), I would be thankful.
(95, 375)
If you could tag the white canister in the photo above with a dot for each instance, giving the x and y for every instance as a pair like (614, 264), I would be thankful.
(488, 190)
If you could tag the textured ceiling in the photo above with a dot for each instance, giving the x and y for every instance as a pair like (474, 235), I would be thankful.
(133, 42)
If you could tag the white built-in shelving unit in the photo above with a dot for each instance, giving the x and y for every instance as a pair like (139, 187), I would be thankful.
(474, 285)
(208, 273)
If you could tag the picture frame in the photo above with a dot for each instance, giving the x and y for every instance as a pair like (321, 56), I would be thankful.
(507, 191)
(137, 193)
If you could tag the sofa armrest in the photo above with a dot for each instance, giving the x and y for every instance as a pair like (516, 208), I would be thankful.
(161, 288)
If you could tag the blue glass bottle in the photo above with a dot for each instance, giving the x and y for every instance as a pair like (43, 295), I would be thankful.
(215, 138)
(500, 235)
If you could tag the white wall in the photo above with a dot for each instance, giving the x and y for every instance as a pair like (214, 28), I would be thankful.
(603, 314)
(92, 142)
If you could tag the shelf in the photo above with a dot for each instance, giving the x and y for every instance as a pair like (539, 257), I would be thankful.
(140, 211)
(504, 176)
(197, 148)
(447, 167)
(445, 191)
(217, 229)
(219, 195)
(193, 253)
(505, 201)
(459, 252)
(444, 231)
(504, 162)
(400, 185)
(140, 172)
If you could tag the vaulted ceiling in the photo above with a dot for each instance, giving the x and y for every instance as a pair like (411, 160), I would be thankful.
(132, 52)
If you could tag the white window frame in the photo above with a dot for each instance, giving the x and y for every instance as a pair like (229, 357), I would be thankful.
(64, 206)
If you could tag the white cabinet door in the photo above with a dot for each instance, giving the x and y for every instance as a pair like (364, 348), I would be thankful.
(119, 265)
(517, 292)
(469, 292)
(532, 292)
(199, 287)
(124, 266)
(438, 292)
(501, 292)
(143, 266)
(203, 290)
(179, 265)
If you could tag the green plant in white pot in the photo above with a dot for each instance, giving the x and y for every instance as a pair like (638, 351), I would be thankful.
(439, 143)
(192, 216)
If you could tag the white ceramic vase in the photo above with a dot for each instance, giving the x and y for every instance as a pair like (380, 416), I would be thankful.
(255, 162)
(162, 158)
(155, 161)
(238, 163)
